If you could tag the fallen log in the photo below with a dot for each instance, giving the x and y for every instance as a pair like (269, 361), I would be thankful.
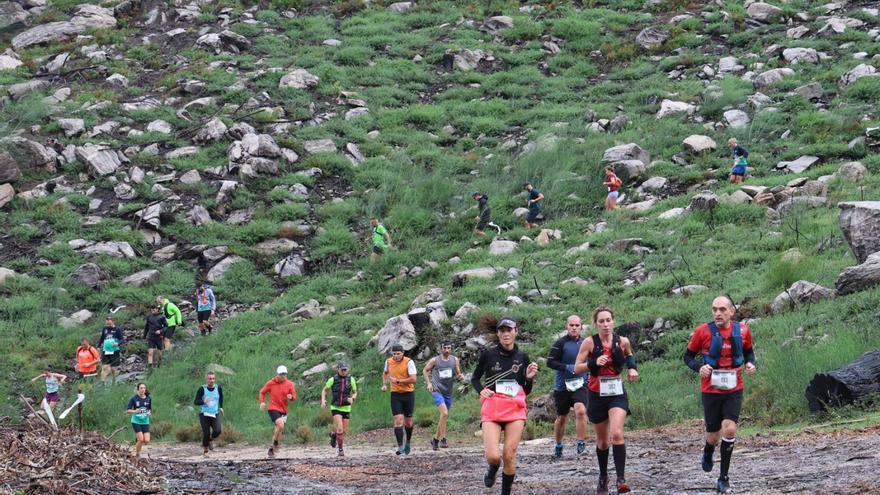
(845, 385)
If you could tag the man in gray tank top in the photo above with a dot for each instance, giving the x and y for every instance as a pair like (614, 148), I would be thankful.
(440, 373)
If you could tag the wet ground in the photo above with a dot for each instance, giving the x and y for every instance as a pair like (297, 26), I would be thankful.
(661, 461)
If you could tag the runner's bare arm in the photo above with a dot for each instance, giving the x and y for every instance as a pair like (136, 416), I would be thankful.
(426, 371)
(580, 364)
(632, 372)
(458, 372)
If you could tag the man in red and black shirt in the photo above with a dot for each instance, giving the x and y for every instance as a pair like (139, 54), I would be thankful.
(726, 348)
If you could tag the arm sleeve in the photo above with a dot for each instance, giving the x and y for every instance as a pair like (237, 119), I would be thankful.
(131, 404)
(119, 336)
(329, 383)
(101, 339)
(385, 367)
(178, 316)
(477, 375)
(220, 392)
(555, 356)
(200, 396)
(213, 300)
(146, 328)
(354, 385)
(262, 396)
(690, 360)
(748, 350)
(592, 362)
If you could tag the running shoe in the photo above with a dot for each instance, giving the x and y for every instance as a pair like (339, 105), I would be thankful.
(602, 487)
(723, 485)
(489, 478)
(443, 443)
(211, 446)
(333, 439)
(406, 449)
(340, 454)
(707, 462)
(581, 447)
(622, 487)
(557, 454)
(271, 453)
(399, 450)
(435, 444)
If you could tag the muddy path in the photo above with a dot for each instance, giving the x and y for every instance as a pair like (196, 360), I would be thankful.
(661, 461)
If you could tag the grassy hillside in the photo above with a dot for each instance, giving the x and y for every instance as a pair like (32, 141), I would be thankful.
(524, 113)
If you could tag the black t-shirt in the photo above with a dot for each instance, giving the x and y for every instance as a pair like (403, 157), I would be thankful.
(533, 195)
(499, 364)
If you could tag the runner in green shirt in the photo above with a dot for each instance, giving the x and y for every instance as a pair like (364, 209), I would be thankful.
(381, 239)
(343, 392)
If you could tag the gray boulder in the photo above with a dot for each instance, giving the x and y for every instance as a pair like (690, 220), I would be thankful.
(90, 275)
(798, 55)
(501, 247)
(9, 171)
(6, 274)
(151, 215)
(736, 119)
(219, 270)
(629, 169)
(669, 108)
(319, 146)
(12, 17)
(397, 330)
(852, 171)
(771, 77)
(7, 192)
(800, 292)
(28, 155)
(697, 143)
(858, 72)
(85, 16)
(860, 223)
(213, 130)
(72, 127)
(497, 22)
(116, 249)
(763, 12)
(651, 37)
(101, 160)
(800, 165)
(141, 278)
(75, 320)
(861, 277)
(812, 91)
(623, 152)
(318, 369)
(799, 202)
(299, 79)
(706, 200)
(199, 216)
(401, 7)
(274, 247)
(291, 266)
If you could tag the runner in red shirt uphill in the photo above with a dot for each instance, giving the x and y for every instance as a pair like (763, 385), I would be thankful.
(726, 347)
(280, 391)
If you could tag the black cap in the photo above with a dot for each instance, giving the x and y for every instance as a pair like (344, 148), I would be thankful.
(342, 365)
(506, 322)
(397, 348)
(476, 193)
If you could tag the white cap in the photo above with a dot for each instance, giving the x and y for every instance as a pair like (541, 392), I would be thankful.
(282, 370)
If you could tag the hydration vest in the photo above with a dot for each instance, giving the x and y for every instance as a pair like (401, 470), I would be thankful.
(617, 358)
(341, 390)
(736, 346)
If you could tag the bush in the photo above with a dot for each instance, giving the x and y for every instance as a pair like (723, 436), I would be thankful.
(229, 435)
(304, 434)
(290, 211)
(189, 434)
(162, 428)
(323, 418)
(334, 242)
(426, 417)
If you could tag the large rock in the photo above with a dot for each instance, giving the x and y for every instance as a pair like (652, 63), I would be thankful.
(28, 154)
(651, 37)
(623, 152)
(151, 215)
(9, 171)
(697, 143)
(800, 292)
(797, 55)
(299, 79)
(7, 192)
(219, 270)
(213, 130)
(116, 249)
(318, 369)
(499, 247)
(401, 7)
(629, 169)
(858, 72)
(670, 108)
(141, 278)
(6, 274)
(497, 22)
(291, 266)
(101, 160)
(397, 330)
(852, 171)
(860, 223)
(85, 16)
(706, 200)
(90, 275)
(736, 119)
(319, 146)
(861, 277)
(274, 247)
(75, 320)
(763, 12)
(812, 91)
(199, 216)
(772, 77)
(260, 145)
(12, 16)
(485, 272)
(72, 127)
(799, 202)
(800, 165)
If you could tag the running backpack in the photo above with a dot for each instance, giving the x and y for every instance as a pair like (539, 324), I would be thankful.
(617, 358)
(736, 343)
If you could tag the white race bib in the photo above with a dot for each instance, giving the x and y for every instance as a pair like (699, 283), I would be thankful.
(209, 415)
(447, 373)
(573, 384)
(610, 386)
(724, 379)
(109, 353)
(507, 387)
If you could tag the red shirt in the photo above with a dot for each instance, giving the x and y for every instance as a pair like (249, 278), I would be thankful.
(615, 183)
(607, 370)
(700, 341)
(278, 392)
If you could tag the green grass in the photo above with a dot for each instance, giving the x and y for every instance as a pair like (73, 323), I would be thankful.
(418, 176)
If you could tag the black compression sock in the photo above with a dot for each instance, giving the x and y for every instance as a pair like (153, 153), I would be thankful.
(398, 434)
(709, 449)
(726, 453)
(602, 455)
(409, 430)
(619, 452)
(507, 483)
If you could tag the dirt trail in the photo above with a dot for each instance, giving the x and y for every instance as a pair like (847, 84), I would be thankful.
(661, 461)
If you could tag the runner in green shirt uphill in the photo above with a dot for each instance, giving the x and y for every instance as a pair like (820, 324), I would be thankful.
(209, 398)
(173, 318)
(381, 239)
(140, 406)
(343, 392)
(110, 344)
